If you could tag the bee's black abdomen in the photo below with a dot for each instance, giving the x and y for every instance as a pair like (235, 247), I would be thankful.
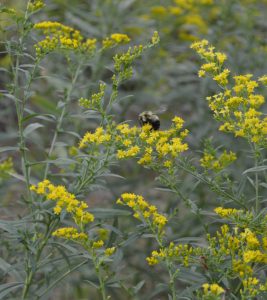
(155, 124)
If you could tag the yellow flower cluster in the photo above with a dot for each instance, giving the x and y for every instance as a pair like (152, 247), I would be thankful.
(155, 38)
(103, 233)
(73, 151)
(210, 161)
(36, 5)
(244, 248)
(144, 211)
(123, 62)
(152, 147)
(240, 268)
(191, 19)
(188, 14)
(130, 152)
(177, 253)
(237, 105)
(263, 79)
(115, 39)
(61, 37)
(254, 256)
(64, 200)
(212, 289)
(97, 244)
(91, 245)
(243, 218)
(251, 239)
(98, 137)
(226, 212)
(68, 201)
(163, 145)
(6, 167)
(95, 103)
(71, 233)
(251, 288)
(214, 62)
(110, 251)
(237, 251)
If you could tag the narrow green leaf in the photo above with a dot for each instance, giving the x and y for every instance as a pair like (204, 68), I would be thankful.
(104, 213)
(31, 127)
(255, 169)
(7, 288)
(7, 148)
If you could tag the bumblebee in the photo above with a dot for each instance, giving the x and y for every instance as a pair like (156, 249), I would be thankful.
(147, 117)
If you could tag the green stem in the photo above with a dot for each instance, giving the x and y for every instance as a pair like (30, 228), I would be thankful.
(257, 199)
(172, 278)
(62, 277)
(60, 120)
(97, 265)
(172, 274)
(88, 179)
(102, 287)
(20, 106)
(30, 272)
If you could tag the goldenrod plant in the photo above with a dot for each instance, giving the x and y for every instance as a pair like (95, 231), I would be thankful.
(97, 206)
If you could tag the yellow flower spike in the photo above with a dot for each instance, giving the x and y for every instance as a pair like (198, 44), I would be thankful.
(167, 164)
(152, 261)
(103, 233)
(120, 38)
(251, 239)
(158, 11)
(254, 256)
(213, 288)
(205, 287)
(174, 10)
(98, 244)
(263, 79)
(201, 73)
(114, 39)
(57, 210)
(233, 107)
(143, 210)
(110, 251)
(216, 289)
(199, 44)
(222, 78)
(179, 122)
(155, 38)
(36, 5)
(64, 200)
(221, 57)
(70, 233)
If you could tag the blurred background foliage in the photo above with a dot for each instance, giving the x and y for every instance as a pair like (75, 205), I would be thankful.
(165, 79)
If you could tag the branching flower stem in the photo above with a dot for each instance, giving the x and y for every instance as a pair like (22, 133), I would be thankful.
(61, 117)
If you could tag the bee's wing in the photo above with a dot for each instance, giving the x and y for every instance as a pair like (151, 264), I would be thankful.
(161, 110)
